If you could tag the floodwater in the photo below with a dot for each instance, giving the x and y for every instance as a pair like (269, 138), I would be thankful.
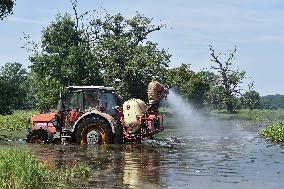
(226, 154)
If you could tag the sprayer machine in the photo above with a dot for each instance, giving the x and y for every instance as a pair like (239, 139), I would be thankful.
(90, 115)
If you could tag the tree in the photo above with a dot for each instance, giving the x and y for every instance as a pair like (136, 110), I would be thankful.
(251, 99)
(5, 97)
(65, 58)
(109, 50)
(228, 78)
(189, 84)
(16, 77)
(214, 97)
(125, 55)
(6, 7)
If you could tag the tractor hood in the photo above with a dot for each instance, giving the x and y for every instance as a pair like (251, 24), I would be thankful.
(43, 117)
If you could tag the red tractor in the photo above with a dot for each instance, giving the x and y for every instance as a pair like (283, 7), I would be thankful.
(90, 115)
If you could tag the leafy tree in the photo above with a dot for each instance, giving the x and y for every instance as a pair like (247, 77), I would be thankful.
(65, 58)
(16, 76)
(210, 77)
(109, 50)
(5, 97)
(6, 7)
(189, 84)
(251, 99)
(125, 55)
(228, 78)
(214, 97)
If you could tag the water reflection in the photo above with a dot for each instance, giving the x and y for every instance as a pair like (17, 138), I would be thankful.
(127, 166)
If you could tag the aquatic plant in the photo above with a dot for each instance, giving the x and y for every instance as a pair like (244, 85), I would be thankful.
(274, 132)
(19, 169)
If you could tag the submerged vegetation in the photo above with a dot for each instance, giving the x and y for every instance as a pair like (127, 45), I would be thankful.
(19, 169)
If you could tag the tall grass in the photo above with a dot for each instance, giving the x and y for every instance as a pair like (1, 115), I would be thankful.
(16, 121)
(19, 170)
(268, 116)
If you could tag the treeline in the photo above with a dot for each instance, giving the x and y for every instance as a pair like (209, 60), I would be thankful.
(272, 101)
(113, 50)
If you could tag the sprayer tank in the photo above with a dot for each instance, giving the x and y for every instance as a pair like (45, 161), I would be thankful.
(132, 110)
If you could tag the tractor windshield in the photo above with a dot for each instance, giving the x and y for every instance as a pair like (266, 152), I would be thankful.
(91, 99)
(109, 102)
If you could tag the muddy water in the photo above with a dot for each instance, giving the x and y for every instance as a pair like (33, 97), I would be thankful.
(222, 155)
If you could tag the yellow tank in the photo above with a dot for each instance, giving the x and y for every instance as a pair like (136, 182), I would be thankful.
(132, 109)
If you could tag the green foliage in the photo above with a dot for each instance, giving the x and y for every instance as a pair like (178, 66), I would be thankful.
(5, 97)
(16, 77)
(125, 55)
(6, 7)
(19, 169)
(272, 101)
(251, 100)
(111, 50)
(189, 84)
(274, 133)
(215, 97)
(65, 58)
(16, 121)
(254, 116)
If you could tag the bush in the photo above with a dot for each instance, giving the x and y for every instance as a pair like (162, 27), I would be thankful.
(18, 120)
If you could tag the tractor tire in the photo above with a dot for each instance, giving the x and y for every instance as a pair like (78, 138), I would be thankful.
(39, 136)
(94, 130)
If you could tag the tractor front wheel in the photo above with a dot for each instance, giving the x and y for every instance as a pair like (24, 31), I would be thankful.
(39, 136)
(92, 131)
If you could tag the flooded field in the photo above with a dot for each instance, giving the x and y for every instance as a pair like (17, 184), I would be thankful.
(226, 154)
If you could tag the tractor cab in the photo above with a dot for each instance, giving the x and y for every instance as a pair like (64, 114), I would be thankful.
(86, 98)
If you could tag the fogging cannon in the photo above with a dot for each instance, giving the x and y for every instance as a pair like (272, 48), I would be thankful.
(141, 120)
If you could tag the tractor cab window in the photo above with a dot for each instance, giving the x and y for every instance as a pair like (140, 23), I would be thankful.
(74, 99)
(109, 102)
(91, 99)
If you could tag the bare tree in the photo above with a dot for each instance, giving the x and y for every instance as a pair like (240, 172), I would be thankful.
(228, 77)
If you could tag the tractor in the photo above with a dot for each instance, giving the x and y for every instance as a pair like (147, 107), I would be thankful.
(90, 115)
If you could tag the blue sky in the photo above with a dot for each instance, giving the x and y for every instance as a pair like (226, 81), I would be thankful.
(256, 27)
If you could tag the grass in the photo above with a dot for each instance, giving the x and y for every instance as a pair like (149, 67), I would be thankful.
(17, 121)
(274, 133)
(20, 170)
(267, 116)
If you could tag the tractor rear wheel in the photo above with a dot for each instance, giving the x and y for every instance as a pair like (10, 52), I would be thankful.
(39, 136)
(92, 131)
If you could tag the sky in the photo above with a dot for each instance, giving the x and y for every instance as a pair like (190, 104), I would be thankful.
(256, 27)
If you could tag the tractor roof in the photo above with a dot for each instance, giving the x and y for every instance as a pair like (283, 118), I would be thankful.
(91, 87)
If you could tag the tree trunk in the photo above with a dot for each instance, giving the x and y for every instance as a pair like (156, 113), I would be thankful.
(230, 108)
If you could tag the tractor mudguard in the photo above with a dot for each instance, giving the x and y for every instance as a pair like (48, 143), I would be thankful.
(95, 113)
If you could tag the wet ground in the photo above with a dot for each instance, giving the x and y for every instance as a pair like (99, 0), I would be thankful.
(218, 154)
